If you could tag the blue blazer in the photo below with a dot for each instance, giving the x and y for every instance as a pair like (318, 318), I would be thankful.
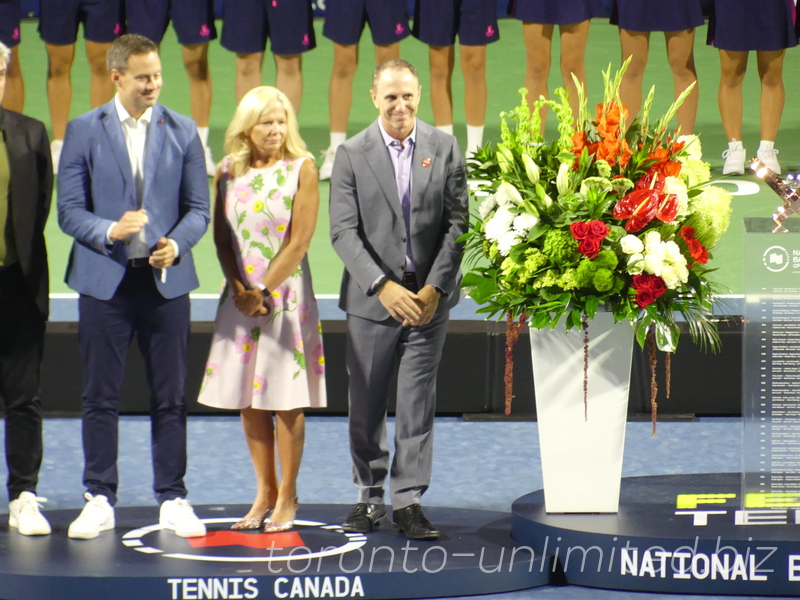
(96, 186)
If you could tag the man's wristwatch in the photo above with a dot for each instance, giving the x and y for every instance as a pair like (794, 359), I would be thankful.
(379, 286)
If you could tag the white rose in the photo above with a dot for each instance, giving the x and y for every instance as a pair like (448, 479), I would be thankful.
(631, 244)
(635, 266)
(683, 271)
(653, 264)
(670, 276)
(657, 250)
(652, 237)
(672, 253)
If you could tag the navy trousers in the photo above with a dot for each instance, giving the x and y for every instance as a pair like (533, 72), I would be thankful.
(106, 330)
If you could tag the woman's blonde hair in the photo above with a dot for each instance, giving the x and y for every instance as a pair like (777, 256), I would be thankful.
(257, 102)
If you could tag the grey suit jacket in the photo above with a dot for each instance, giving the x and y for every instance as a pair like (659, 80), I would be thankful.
(367, 227)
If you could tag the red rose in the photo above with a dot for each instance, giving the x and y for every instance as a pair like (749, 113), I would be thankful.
(642, 283)
(598, 229)
(579, 230)
(658, 286)
(589, 247)
(643, 299)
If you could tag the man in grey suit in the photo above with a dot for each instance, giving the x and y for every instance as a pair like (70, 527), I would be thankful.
(398, 206)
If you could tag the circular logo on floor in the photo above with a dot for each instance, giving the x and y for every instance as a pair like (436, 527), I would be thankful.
(775, 259)
(308, 540)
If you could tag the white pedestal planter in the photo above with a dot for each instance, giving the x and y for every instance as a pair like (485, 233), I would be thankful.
(582, 457)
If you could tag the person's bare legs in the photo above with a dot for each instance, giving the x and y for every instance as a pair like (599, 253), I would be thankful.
(441, 61)
(259, 433)
(473, 68)
(101, 88)
(248, 73)
(59, 86)
(635, 44)
(538, 40)
(289, 77)
(574, 38)
(732, 69)
(680, 53)
(14, 97)
(773, 95)
(340, 88)
(195, 62)
(290, 432)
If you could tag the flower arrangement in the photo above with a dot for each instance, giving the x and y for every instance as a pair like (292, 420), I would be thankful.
(611, 214)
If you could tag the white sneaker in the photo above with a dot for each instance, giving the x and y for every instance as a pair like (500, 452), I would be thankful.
(769, 157)
(179, 516)
(97, 515)
(211, 167)
(326, 169)
(23, 513)
(55, 154)
(734, 159)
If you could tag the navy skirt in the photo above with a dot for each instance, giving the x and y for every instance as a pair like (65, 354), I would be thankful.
(735, 25)
(556, 12)
(656, 15)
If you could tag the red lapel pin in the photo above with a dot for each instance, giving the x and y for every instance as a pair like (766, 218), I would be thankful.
(426, 162)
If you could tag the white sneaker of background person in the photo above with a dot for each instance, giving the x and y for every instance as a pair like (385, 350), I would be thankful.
(337, 139)
(768, 155)
(211, 167)
(25, 517)
(55, 154)
(97, 516)
(178, 515)
(734, 158)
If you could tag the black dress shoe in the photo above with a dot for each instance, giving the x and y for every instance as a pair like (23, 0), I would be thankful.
(364, 517)
(411, 521)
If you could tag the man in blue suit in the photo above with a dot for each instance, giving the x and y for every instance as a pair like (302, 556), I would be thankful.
(133, 192)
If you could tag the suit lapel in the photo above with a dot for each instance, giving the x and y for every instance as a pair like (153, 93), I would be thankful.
(23, 210)
(113, 129)
(422, 166)
(377, 158)
(152, 151)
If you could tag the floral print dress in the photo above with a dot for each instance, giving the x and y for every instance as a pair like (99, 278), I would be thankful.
(274, 362)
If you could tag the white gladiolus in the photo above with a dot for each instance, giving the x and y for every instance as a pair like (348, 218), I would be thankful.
(507, 194)
(562, 179)
(631, 244)
(524, 222)
(507, 242)
(487, 206)
(499, 225)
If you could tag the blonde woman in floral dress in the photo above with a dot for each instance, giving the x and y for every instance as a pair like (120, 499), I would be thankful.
(266, 356)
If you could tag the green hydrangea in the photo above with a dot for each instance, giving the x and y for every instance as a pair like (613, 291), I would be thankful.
(568, 280)
(560, 246)
(547, 279)
(584, 274)
(494, 252)
(606, 259)
(508, 266)
(711, 215)
(603, 280)
(534, 260)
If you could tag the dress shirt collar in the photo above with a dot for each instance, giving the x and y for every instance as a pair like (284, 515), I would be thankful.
(124, 115)
(388, 140)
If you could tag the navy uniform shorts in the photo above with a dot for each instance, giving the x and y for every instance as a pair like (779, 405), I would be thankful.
(103, 20)
(247, 24)
(193, 20)
(438, 22)
(345, 20)
(10, 13)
